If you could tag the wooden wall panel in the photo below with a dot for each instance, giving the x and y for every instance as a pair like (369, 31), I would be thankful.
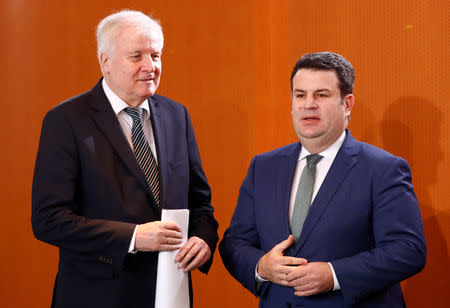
(229, 62)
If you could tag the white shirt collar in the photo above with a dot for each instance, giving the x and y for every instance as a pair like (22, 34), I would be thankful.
(118, 104)
(329, 152)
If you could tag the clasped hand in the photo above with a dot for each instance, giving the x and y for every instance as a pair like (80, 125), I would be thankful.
(307, 278)
(166, 236)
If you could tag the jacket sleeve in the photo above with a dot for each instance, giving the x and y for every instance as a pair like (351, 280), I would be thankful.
(201, 220)
(57, 213)
(240, 247)
(400, 250)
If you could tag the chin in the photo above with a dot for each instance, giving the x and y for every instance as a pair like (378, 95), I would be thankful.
(148, 92)
(309, 132)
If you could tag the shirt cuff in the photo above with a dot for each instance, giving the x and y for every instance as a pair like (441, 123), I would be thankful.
(336, 286)
(132, 249)
(258, 278)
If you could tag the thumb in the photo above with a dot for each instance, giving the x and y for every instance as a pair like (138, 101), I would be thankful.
(171, 226)
(285, 244)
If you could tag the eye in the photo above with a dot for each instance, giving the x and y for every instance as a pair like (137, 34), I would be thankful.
(299, 95)
(135, 57)
(156, 57)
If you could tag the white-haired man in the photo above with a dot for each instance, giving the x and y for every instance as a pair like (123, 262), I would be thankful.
(108, 161)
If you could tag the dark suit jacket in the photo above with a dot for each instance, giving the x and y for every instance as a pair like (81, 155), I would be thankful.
(89, 193)
(365, 220)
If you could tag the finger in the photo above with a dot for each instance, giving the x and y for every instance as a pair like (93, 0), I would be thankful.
(287, 270)
(298, 283)
(284, 283)
(187, 249)
(296, 273)
(293, 261)
(167, 247)
(196, 262)
(206, 251)
(170, 241)
(184, 250)
(170, 225)
(307, 292)
(285, 244)
(188, 256)
(281, 279)
(172, 233)
(204, 255)
(297, 293)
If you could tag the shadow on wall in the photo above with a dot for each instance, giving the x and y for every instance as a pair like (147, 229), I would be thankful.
(362, 123)
(411, 129)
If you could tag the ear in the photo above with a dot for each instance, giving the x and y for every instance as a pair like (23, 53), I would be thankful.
(349, 101)
(105, 64)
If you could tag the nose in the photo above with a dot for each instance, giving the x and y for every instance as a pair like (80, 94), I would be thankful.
(310, 102)
(148, 64)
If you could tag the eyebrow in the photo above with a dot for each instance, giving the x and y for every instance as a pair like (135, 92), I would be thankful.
(318, 90)
(145, 51)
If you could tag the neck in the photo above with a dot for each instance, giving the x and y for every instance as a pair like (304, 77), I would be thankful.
(130, 101)
(314, 148)
(317, 145)
(134, 103)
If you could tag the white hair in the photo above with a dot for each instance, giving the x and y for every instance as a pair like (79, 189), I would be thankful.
(108, 28)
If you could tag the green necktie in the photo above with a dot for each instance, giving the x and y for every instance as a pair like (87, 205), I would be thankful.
(304, 194)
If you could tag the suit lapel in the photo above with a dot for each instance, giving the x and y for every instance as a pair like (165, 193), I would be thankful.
(159, 133)
(344, 161)
(284, 184)
(107, 122)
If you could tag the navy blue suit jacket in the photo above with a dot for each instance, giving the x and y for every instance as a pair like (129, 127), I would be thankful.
(89, 193)
(365, 220)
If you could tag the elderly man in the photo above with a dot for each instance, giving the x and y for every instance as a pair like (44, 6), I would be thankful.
(329, 221)
(108, 161)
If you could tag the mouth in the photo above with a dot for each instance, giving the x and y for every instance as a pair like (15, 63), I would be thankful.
(148, 79)
(310, 118)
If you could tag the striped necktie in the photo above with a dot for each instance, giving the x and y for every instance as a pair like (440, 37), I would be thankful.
(304, 194)
(143, 152)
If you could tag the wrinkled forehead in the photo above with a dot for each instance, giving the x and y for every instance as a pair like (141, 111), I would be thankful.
(314, 78)
(133, 36)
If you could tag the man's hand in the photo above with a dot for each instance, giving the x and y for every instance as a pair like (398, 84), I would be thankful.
(310, 279)
(275, 267)
(193, 255)
(158, 235)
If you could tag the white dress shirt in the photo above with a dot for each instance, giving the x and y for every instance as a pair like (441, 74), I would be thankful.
(126, 122)
(322, 168)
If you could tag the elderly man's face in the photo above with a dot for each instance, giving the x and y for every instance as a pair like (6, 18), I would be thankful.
(319, 113)
(132, 69)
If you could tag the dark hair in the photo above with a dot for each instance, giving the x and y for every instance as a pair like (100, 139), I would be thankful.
(328, 61)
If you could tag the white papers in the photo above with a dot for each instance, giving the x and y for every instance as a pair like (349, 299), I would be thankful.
(172, 283)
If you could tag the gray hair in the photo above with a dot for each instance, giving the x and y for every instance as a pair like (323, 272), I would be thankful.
(108, 28)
